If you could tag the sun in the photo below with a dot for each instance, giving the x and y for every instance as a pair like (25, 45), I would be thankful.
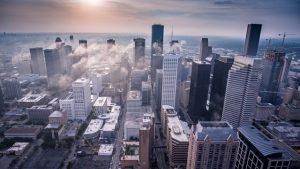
(92, 2)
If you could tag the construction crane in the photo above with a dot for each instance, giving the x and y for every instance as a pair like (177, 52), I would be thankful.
(284, 36)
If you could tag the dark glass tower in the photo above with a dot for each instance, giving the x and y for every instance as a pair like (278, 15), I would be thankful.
(198, 91)
(156, 48)
(204, 48)
(139, 49)
(218, 85)
(252, 39)
(271, 76)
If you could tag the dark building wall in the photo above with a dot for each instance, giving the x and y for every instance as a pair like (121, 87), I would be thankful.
(157, 41)
(271, 76)
(219, 82)
(204, 48)
(252, 39)
(198, 91)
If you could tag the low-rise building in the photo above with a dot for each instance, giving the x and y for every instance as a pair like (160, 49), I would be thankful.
(32, 100)
(23, 131)
(39, 114)
(58, 117)
(93, 129)
(101, 105)
(134, 101)
(17, 148)
(67, 104)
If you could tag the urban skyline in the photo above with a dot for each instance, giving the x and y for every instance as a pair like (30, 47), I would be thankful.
(138, 101)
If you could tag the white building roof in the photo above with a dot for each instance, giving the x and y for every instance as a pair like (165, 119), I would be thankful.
(106, 150)
(94, 126)
(134, 95)
(177, 129)
(102, 101)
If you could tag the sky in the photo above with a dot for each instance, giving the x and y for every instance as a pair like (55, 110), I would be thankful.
(188, 17)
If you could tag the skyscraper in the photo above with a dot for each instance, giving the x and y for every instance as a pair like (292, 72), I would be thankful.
(83, 43)
(271, 76)
(156, 47)
(198, 91)
(38, 65)
(82, 98)
(241, 91)
(139, 49)
(252, 39)
(218, 85)
(53, 62)
(11, 88)
(212, 144)
(204, 49)
(256, 150)
(171, 79)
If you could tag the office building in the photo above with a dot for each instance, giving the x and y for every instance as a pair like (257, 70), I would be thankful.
(67, 104)
(218, 84)
(158, 88)
(241, 91)
(101, 105)
(177, 141)
(146, 93)
(93, 129)
(171, 79)
(83, 43)
(110, 42)
(139, 49)
(23, 131)
(39, 114)
(271, 75)
(264, 111)
(53, 62)
(97, 81)
(38, 65)
(11, 88)
(134, 101)
(146, 138)
(285, 72)
(32, 100)
(212, 144)
(82, 98)
(157, 40)
(156, 63)
(204, 49)
(136, 78)
(290, 108)
(57, 118)
(256, 150)
(199, 91)
(252, 39)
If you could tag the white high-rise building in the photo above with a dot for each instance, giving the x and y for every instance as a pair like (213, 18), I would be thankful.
(241, 91)
(67, 104)
(97, 83)
(171, 80)
(82, 98)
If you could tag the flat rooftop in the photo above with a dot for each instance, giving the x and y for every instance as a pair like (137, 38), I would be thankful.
(215, 130)
(81, 82)
(134, 95)
(94, 126)
(32, 98)
(106, 149)
(102, 101)
(23, 129)
(262, 143)
(177, 127)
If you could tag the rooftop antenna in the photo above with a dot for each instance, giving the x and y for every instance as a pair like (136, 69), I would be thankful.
(284, 34)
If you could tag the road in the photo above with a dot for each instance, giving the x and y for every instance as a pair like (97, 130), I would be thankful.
(159, 153)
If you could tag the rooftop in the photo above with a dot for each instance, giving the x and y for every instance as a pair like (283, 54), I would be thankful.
(32, 98)
(134, 95)
(102, 101)
(106, 150)
(24, 129)
(262, 143)
(56, 114)
(94, 126)
(215, 130)
(178, 131)
(81, 82)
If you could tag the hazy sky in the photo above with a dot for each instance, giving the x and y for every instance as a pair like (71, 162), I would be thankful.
(188, 17)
